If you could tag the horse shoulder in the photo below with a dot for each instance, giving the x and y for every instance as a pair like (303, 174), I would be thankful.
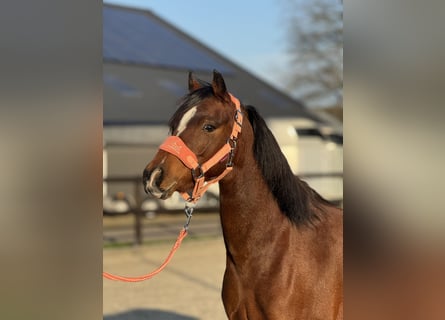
(328, 253)
(318, 267)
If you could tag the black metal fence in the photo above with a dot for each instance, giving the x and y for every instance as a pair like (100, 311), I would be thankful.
(134, 203)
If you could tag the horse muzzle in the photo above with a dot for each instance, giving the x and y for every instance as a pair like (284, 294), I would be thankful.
(152, 180)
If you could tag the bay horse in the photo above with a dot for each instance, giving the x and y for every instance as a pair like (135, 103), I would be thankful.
(284, 242)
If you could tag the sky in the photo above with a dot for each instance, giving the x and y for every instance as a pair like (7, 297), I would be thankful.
(250, 33)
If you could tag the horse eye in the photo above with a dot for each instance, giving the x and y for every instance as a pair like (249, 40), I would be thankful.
(208, 128)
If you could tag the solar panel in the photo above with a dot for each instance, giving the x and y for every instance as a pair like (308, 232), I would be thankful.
(136, 37)
(273, 98)
(121, 86)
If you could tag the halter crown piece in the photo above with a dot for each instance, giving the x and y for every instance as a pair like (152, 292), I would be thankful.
(175, 146)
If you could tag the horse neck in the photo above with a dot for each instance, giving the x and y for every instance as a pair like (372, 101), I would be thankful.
(250, 215)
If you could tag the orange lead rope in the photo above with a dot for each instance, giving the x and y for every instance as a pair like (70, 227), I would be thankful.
(181, 236)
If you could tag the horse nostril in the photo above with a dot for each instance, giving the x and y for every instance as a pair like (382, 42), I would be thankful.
(151, 179)
(145, 177)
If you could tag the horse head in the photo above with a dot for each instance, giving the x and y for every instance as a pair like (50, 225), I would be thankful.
(203, 137)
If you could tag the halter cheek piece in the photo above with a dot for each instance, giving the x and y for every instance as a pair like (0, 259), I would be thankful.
(179, 149)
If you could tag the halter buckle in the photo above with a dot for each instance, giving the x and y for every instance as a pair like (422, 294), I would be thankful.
(238, 114)
(232, 143)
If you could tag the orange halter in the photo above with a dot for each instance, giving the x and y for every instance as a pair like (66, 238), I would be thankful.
(179, 149)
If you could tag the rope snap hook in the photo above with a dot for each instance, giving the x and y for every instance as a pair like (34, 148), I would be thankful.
(188, 210)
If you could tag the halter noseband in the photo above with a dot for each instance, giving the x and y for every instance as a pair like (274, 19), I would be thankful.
(175, 146)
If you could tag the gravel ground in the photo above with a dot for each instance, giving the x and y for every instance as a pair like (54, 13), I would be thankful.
(189, 288)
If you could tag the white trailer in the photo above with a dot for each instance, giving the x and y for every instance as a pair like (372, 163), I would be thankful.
(314, 153)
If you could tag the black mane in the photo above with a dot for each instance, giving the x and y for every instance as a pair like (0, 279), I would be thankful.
(294, 197)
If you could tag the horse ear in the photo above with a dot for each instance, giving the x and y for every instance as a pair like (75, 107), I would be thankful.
(193, 83)
(218, 85)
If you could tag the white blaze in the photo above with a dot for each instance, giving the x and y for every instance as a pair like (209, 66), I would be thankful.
(185, 120)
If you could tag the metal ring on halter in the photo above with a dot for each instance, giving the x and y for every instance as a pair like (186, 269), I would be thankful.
(232, 142)
(201, 173)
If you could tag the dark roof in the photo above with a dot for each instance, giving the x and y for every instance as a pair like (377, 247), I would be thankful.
(146, 64)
